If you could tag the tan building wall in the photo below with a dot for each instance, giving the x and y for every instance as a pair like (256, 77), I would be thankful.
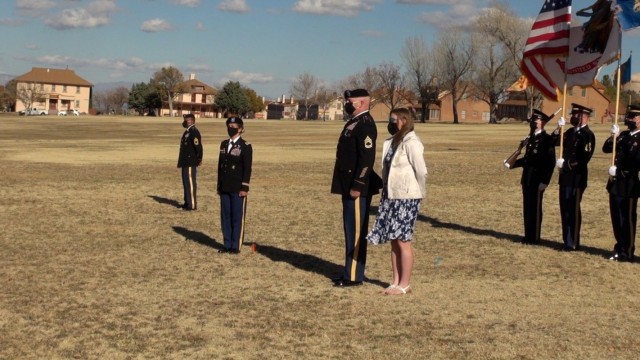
(469, 110)
(62, 90)
(591, 97)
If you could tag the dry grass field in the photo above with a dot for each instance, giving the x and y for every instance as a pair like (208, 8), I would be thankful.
(98, 263)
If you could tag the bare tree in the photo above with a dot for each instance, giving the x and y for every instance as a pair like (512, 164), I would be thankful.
(368, 80)
(322, 98)
(454, 53)
(392, 85)
(421, 74)
(304, 87)
(29, 94)
(117, 98)
(494, 33)
(169, 82)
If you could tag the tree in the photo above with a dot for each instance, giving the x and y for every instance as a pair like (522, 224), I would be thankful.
(255, 102)
(169, 82)
(29, 94)
(391, 85)
(304, 87)
(232, 99)
(9, 95)
(138, 96)
(421, 75)
(454, 52)
(496, 68)
(322, 98)
(368, 80)
(117, 98)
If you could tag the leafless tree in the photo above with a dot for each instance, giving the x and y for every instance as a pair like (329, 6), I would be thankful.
(421, 72)
(454, 53)
(392, 84)
(117, 98)
(29, 94)
(323, 97)
(304, 87)
(499, 35)
(169, 82)
(368, 79)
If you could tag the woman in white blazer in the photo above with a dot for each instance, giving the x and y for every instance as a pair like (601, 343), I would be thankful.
(404, 174)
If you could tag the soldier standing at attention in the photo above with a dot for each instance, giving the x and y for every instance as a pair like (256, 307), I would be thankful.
(355, 157)
(189, 159)
(537, 168)
(234, 173)
(578, 146)
(624, 184)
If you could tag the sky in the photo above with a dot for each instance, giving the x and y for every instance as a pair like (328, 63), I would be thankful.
(263, 44)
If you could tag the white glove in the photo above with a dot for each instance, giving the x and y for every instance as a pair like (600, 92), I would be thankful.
(506, 164)
(542, 186)
(559, 163)
(615, 129)
(612, 170)
(561, 121)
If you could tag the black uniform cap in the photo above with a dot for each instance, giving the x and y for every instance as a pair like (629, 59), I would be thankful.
(539, 115)
(577, 108)
(235, 120)
(189, 116)
(355, 93)
(633, 110)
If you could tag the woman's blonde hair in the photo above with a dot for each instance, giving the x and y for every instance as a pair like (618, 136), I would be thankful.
(406, 115)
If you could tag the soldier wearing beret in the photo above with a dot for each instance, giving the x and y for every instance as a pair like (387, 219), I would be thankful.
(537, 168)
(578, 146)
(624, 185)
(352, 179)
(234, 173)
(189, 159)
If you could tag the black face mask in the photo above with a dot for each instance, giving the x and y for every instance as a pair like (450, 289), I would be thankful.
(533, 125)
(349, 108)
(575, 119)
(185, 124)
(232, 131)
(392, 128)
(630, 124)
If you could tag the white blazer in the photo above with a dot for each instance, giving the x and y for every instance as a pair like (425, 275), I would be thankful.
(406, 176)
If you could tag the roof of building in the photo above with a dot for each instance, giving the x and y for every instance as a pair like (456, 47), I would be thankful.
(53, 76)
(191, 84)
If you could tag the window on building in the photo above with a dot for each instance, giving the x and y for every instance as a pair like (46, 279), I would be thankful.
(77, 89)
(64, 88)
(41, 87)
(584, 92)
(434, 114)
(475, 114)
(53, 87)
(193, 98)
(77, 104)
(204, 98)
(463, 114)
(486, 116)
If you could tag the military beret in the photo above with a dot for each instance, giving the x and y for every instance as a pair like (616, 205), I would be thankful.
(633, 109)
(355, 93)
(235, 120)
(539, 115)
(189, 116)
(576, 108)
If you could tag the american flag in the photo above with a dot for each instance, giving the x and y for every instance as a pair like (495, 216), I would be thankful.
(549, 36)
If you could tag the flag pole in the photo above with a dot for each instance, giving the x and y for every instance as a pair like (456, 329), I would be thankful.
(564, 114)
(615, 119)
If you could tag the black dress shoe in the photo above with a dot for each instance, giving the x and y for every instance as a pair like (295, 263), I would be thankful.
(338, 279)
(566, 249)
(233, 251)
(224, 251)
(347, 283)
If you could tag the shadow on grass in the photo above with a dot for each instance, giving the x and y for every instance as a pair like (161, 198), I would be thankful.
(306, 262)
(504, 236)
(198, 237)
(165, 201)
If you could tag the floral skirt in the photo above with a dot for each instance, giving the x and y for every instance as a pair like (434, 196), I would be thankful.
(396, 220)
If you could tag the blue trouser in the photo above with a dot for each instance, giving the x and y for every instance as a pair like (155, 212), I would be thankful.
(571, 215)
(624, 218)
(532, 213)
(355, 217)
(233, 209)
(190, 185)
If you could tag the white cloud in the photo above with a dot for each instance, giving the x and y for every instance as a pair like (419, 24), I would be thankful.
(11, 22)
(334, 7)
(247, 78)
(239, 6)
(435, 2)
(458, 15)
(95, 14)
(155, 25)
(31, 5)
(189, 3)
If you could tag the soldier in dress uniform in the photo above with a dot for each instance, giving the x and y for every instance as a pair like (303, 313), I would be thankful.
(624, 184)
(234, 173)
(537, 168)
(189, 159)
(578, 146)
(352, 175)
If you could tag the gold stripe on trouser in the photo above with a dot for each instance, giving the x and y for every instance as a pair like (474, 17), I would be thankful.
(576, 231)
(632, 229)
(191, 193)
(244, 216)
(356, 244)
(538, 206)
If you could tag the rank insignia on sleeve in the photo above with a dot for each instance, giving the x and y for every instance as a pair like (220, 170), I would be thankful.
(195, 141)
(368, 142)
(588, 147)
